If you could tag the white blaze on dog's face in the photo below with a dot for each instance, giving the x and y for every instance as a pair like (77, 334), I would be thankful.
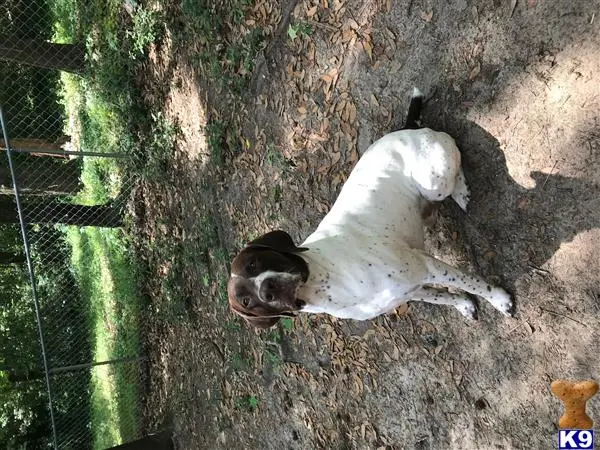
(265, 277)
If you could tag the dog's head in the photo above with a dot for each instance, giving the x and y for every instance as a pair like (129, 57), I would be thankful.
(265, 277)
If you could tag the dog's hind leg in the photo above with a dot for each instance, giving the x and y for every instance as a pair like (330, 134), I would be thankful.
(445, 275)
(414, 111)
(462, 303)
(461, 193)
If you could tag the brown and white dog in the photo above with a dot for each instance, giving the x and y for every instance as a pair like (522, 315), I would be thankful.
(367, 255)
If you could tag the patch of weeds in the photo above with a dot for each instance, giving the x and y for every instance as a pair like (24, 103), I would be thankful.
(274, 336)
(210, 233)
(287, 324)
(203, 17)
(299, 29)
(238, 10)
(146, 30)
(239, 363)
(277, 194)
(240, 58)
(221, 255)
(222, 289)
(205, 280)
(228, 63)
(276, 158)
(216, 395)
(216, 132)
(248, 402)
(160, 147)
(272, 359)
(233, 326)
(175, 304)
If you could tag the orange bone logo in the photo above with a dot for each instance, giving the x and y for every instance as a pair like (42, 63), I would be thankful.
(574, 397)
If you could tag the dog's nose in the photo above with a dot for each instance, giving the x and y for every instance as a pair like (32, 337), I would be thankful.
(267, 289)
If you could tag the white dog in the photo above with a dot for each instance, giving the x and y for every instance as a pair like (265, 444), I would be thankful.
(366, 257)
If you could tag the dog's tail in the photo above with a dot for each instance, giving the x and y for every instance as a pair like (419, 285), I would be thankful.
(414, 111)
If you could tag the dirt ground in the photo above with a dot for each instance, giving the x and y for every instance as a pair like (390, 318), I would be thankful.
(517, 84)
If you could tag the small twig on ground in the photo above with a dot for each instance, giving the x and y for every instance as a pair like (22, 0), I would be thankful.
(513, 6)
(277, 345)
(562, 315)
(514, 328)
(325, 26)
(218, 349)
(412, 325)
(550, 173)
(538, 270)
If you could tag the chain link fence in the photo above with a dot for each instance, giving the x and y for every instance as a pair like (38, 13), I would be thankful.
(72, 372)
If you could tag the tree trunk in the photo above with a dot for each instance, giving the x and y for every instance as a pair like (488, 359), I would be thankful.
(52, 211)
(38, 176)
(11, 258)
(48, 55)
(19, 377)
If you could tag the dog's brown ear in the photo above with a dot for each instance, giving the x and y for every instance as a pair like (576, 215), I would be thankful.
(277, 240)
(262, 322)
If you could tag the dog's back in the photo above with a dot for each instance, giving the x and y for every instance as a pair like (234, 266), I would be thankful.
(394, 180)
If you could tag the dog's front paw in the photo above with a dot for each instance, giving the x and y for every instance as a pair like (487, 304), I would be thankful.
(461, 194)
(468, 309)
(503, 302)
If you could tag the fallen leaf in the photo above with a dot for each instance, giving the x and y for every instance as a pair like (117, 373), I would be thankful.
(368, 48)
(402, 309)
(374, 102)
(353, 24)
(549, 170)
(477, 49)
(348, 35)
(523, 203)
(352, 115)
(335, 157)
(513, 6)
(475, 14)
(427, 16)
(475, 71)
(489, 254)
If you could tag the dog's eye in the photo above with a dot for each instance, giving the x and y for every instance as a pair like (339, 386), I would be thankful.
(246, 301)
(251, 266)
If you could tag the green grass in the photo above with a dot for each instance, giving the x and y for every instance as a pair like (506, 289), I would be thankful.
(247, 402)
(299, 29)
(227, 63)
(106, 115)
(107, 280)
